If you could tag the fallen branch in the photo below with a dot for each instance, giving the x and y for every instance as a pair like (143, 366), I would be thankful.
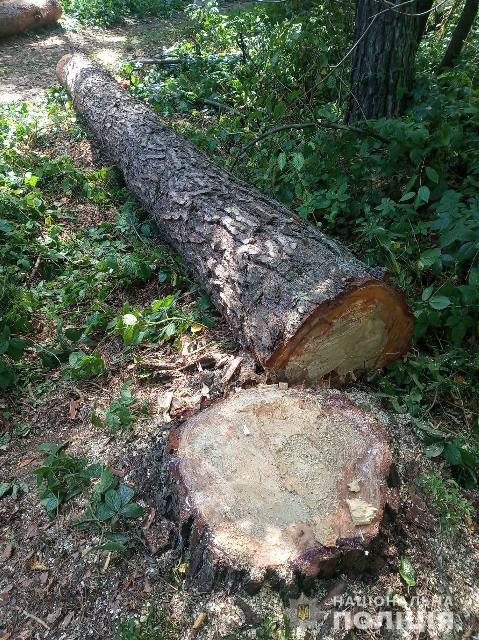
(159, 62)
(307, 125)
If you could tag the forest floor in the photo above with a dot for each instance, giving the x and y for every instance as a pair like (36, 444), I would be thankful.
(55, 584)
(28, 61)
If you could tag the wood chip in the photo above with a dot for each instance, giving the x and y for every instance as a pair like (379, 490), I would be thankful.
(7, 552)
(36, 565)
(231, 370)
(164, 406)
(362, 513)
(73, 409)
(25, 463)
(354, 486)
(200, 621)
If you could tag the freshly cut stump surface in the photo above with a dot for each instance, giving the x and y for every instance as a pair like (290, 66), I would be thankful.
(279, 481)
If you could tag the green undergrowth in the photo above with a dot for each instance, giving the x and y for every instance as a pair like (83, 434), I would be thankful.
(103, 13)
(402, 193)
(76, 253)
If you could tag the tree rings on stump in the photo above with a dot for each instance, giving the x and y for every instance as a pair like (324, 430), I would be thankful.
(274, 481)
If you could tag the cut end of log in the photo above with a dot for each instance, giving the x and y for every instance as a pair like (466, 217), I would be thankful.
(362, 329)
(282, 481)
(17, 16)
(298, 300)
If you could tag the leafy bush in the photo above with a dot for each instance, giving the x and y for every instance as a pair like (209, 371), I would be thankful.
(108, 12)
(120, 415)
(61, 476)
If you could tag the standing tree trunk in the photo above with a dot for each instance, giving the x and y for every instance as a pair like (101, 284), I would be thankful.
(460, 33)
(383, 61)
(298, 300)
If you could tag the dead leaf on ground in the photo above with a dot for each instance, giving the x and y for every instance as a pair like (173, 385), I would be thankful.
(73, 409)
(36, 565)
(200, 621)
(25, 463)
(7, 552)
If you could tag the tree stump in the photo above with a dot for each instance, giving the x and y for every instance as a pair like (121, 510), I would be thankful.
(20, 15)
(301, 302)
(276, 482)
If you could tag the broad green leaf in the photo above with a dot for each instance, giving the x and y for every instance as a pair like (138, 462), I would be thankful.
(423, 194)
(298, 161)
(439, 302)
(125, 493)
(432, 174)
(5, 487)
(407, 572)
(132, 510)
(452, 453)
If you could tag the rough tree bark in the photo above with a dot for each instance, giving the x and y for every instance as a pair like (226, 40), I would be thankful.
(275, 483)
(19, 15)
(460, 34)
(382, 71)
(301, 302)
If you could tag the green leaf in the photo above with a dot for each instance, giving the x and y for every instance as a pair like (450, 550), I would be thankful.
(452, 453)
(16, 347)
(5, 487)
(439, 302)
(407, 572)
(434, 450)
(7, 376)
(423, 194)
(429, 257)
(298, 161)
(132, 510)
(104, 512)
(282, 160)
(51, 503)
(97, 421)
(107, 482)
(407, 196)
(125, 493)
(432, 174)
(113, 500)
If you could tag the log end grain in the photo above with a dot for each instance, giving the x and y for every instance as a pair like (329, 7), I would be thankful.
(363, 329)
(280, 482)
(17, 16)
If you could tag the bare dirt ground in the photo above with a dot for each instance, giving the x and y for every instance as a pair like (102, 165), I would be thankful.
(28, 61)
(55, 585)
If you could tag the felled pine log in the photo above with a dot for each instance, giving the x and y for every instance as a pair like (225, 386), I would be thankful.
(275, 483)
(298, 300)
(20, 15)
